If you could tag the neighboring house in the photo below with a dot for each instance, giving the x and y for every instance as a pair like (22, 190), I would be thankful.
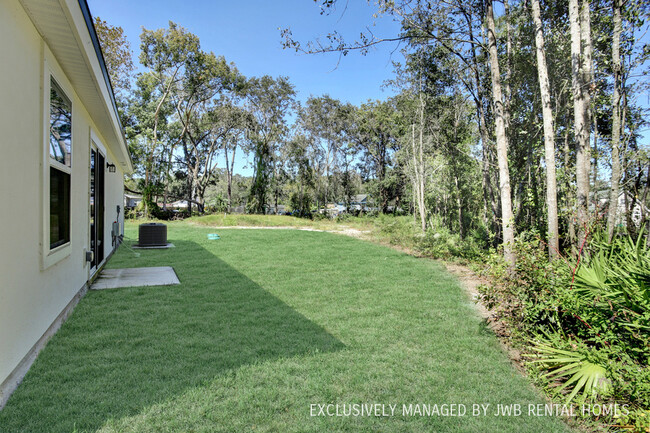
(637, 213)
(359, 202)
(63, 161)
(339, 209)
(332, 209)
(178, 204)
(131, 200)
(270, 209)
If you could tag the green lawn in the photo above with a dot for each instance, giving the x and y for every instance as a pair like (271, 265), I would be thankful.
(244, 220)
(264, 324)
(247, 220)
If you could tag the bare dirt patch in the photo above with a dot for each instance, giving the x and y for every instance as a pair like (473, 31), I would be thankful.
(349, 231)
(470, 282)
(309, 229)
(342, 230)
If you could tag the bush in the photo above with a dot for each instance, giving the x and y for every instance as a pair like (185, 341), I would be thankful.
(396, 230)
(613, 282)
(437, 242)
(441, 244)
(527, 299)
(577, 318)
(317, 216)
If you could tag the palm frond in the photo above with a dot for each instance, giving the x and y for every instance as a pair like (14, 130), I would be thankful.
(579, 373)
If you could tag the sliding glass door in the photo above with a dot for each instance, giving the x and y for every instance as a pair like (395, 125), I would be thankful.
(97, 170)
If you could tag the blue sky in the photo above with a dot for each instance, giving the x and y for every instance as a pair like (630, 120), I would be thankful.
(246, 32)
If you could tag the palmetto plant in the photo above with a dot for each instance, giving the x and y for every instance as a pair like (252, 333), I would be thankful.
(579, 372)
(617, 278)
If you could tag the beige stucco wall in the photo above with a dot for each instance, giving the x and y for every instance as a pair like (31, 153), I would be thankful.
(31, 295)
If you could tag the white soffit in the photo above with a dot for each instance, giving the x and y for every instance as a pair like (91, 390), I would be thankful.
(62, 26)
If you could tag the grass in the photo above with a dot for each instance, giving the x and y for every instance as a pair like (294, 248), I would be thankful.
(245, 220)
(264, 324)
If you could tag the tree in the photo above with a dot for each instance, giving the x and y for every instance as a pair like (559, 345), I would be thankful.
(325, 120)
(419, 168)
(549, 133)
(580, 72)
(118, 55)
(205, 133)
(616, 119)
(146, 114)
(237, 138)
(425, 81)
(166, 52)
(376, 136)
(206, 115)
(300, 168)
(507, 220)
(269, 102)
(446, 23)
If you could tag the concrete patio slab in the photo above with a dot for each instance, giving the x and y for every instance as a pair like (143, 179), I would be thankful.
(135, 277)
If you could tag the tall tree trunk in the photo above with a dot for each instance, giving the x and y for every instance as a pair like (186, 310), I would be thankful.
(507, 221)
(418, 178)
(190, 196)
(616, 121)
(549, 133)
(327, 177)
(587, 81)
(200, 199)
(581, 112)
(644, 198)
(594, 182)
(419, 166)
(422, 184)
(567, 190)
(415, 210)
(459, 207)
(167, 178)
(489, 202)
(229, 171)
(508, 73)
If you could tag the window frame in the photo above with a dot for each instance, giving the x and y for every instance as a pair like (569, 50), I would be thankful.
(51, 71)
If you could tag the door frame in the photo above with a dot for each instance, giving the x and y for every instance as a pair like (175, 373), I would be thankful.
(97, 146)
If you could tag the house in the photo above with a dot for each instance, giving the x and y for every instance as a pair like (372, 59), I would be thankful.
(359, 202)
(178, 204)
(270, 209)
(131, 200)
(332, 209)
(64, 156)
(637, 213)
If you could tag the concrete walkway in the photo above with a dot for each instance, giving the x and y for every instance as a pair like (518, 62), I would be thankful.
(135, 277)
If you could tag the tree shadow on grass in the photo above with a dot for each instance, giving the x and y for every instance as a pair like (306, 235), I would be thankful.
(126, 349)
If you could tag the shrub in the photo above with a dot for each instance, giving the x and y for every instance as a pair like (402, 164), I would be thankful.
(529, 299)
(614, 282)
(584, 321)
(437, 242)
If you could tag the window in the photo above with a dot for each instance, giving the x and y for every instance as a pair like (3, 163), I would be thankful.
(59, 208)
(60, 125)
(60, 144)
